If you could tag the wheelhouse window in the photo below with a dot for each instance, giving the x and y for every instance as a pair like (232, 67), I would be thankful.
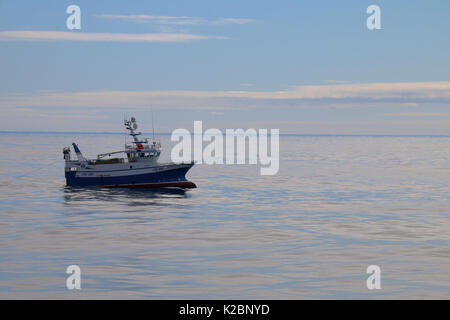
(132, 156)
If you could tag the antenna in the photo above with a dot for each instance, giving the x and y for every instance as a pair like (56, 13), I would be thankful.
(125, 129)
(153, 127)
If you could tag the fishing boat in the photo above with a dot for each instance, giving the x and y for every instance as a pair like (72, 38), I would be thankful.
(137, 168)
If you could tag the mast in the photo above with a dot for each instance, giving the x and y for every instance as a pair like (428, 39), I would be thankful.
(140, 144)
(131, 125)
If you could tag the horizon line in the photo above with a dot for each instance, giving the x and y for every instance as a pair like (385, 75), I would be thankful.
(280, 134)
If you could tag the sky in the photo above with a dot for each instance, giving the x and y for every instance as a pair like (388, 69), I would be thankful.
(306, 67)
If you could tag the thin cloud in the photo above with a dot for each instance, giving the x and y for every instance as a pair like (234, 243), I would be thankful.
(174, 20)
(101, 37)
(323, 96)
(338, 81)
(416, 114)
(142, 18)
(233, 21)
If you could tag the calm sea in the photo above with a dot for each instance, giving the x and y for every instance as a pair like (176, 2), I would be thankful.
(337, 205)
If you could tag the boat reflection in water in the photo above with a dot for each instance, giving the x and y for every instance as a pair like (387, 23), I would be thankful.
(128, 196)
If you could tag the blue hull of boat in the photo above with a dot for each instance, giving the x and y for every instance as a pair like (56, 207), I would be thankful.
(169, 178)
